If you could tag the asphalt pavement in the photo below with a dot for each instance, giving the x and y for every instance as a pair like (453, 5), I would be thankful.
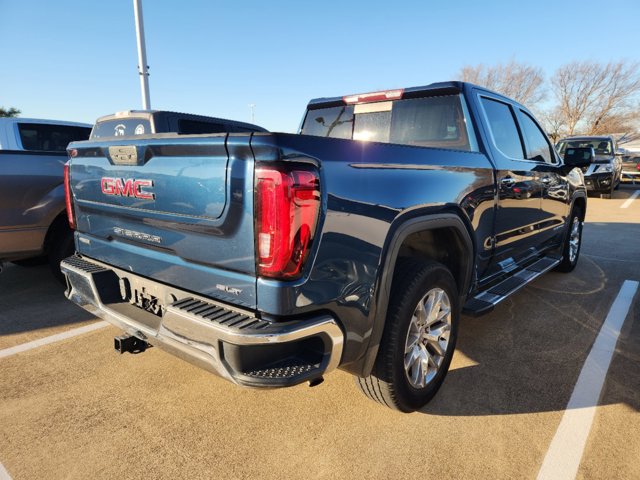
(73, 408)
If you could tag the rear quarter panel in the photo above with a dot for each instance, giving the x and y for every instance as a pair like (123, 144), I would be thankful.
(368, 190)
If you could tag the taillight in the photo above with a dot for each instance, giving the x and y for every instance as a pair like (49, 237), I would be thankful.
(287, 206)
(638, 166)
(67, 198)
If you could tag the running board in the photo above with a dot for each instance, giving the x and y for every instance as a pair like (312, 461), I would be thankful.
(485, 301)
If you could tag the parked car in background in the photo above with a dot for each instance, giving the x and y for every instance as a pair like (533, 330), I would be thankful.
(631, 167)
(33, 219)
(605, 172)
(273, 258)
(133, 123)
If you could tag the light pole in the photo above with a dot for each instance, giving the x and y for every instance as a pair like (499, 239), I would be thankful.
(252, 106)
(142, 55)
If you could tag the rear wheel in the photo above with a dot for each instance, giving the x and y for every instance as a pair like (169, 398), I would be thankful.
(419, 338)
(572, 243)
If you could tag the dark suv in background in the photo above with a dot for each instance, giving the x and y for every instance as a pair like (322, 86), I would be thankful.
(605, 171)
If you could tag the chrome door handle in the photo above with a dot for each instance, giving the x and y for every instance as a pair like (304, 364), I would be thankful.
(508, 181)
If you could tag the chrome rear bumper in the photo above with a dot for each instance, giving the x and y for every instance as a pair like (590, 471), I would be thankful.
(230, 342)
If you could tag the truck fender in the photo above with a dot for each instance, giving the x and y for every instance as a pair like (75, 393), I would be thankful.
(389, 258)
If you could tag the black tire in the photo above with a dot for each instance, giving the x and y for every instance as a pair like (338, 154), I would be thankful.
(608, 193)
(389, 382)
(569, 262)
(61, 247)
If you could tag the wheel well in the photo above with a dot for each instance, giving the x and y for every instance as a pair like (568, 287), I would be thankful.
(444, 245)
(581, 204)
(59, 224)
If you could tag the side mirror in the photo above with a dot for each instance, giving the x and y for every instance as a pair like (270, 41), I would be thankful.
(579, 157)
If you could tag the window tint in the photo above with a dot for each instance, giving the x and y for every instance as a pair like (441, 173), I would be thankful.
(50, 138)
(430, 121)
(372, 126)
(537, 146)
(121, 127)
(503, 127)
(335, 122)
(195, 127)
(438, 121)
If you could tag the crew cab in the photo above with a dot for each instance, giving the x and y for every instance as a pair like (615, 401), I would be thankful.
(33, 224)
(271, 259)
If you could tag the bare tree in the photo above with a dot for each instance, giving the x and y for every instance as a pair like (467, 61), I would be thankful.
(519, 81)
(9, 112)
(553, 122)
(596, 98)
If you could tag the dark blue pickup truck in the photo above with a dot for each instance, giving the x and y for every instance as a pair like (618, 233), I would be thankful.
(271, 258)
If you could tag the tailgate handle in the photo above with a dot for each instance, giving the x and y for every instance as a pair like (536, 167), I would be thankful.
(124, 155)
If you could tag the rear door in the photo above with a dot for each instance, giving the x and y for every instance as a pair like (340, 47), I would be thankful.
(519, 188)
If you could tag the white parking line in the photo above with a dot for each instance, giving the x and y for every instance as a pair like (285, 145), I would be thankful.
(7, 352)
(564, 454)
(4, 475)
(630, 199)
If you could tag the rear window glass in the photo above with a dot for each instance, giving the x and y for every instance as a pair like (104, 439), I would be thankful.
(50, 138)
(334, 122)
(121, 127)
(429, 122)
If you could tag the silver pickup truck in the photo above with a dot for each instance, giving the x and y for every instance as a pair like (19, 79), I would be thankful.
(33, 223)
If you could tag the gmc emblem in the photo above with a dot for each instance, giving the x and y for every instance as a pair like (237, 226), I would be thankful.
(127, 187)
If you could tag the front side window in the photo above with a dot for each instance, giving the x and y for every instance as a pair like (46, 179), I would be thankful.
(503, 128)
(538, 147)
(50, 138)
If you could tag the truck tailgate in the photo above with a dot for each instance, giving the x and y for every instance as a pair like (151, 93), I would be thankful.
(178, 209)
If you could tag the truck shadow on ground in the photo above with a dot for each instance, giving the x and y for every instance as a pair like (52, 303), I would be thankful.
(32, 299)
(527, 354)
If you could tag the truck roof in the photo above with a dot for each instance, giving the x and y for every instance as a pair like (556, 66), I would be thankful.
(12, 120)
(162, 115)
(438, 88)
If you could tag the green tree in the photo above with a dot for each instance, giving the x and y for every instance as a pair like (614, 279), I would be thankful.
(9, 112)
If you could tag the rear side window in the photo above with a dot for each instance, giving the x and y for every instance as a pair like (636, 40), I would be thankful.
(121, 127)
(503, 128)
(50, 138)
(195, 127)
(538, 148)
(439, 121)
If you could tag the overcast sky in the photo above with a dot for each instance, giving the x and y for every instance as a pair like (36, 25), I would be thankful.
(77, 60)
